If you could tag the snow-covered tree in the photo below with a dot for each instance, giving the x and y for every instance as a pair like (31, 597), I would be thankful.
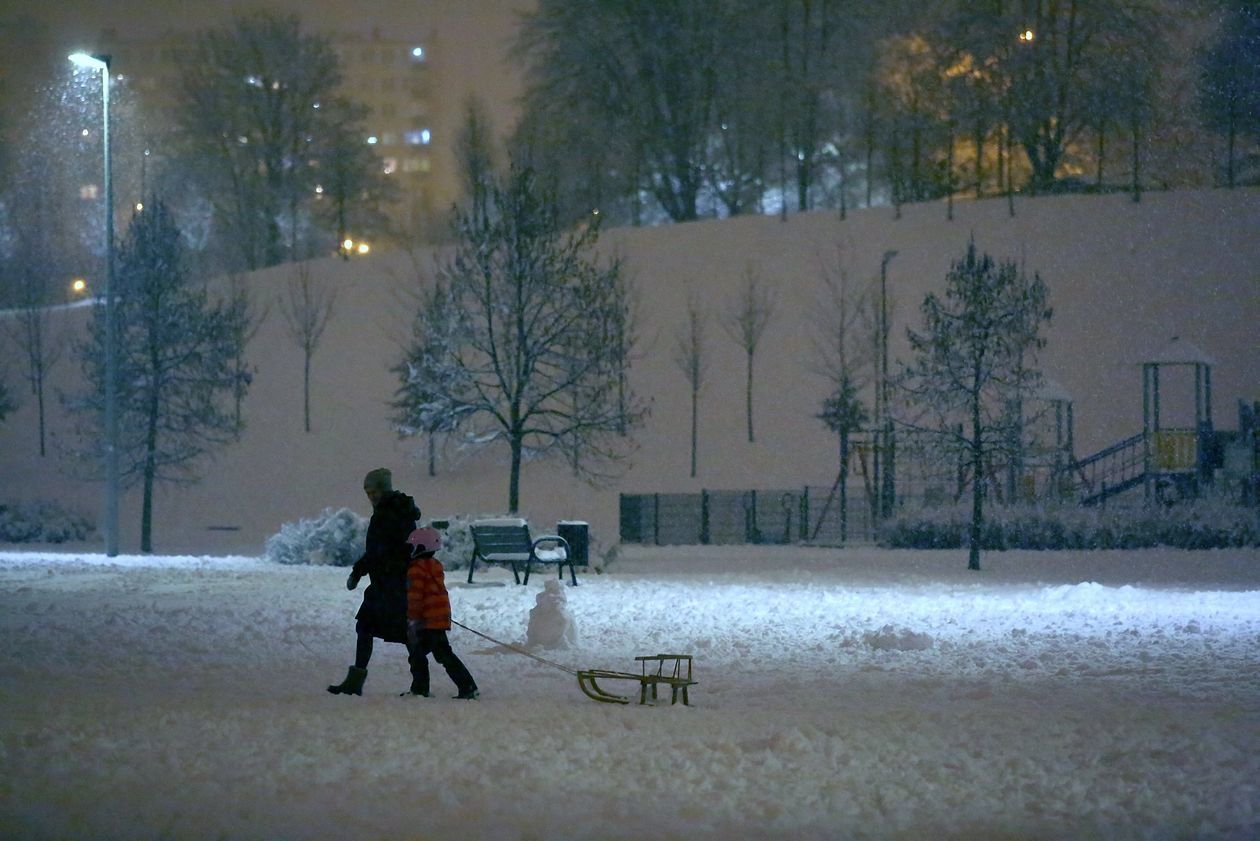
(435, 395)
(174, 378)
(974, 359)
(533, 360)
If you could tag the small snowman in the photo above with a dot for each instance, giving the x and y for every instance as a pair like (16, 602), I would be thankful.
(550, 623)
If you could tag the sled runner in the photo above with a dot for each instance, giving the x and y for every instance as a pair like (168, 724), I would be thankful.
(673, 670)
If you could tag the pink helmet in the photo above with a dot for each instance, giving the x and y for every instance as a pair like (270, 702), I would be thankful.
(424, 540)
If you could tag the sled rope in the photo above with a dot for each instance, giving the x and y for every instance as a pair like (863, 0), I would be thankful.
(509, 645)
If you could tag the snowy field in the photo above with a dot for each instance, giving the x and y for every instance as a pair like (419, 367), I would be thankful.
(857, 694)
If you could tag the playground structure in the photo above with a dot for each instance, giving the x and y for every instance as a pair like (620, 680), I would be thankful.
(1169, 463)
(1172, 463)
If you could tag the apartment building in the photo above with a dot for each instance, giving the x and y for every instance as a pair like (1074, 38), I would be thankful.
(392, 74)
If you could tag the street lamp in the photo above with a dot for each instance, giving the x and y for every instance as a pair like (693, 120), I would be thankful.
(883, 453)
(101, 63)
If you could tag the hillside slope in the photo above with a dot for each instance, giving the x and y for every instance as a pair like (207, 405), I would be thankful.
(1123, 277)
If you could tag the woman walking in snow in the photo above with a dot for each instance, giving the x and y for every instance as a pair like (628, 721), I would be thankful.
(383, 614)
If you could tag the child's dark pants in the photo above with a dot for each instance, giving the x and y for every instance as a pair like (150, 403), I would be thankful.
(421, 642)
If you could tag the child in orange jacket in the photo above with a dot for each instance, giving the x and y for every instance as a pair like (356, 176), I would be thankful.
(429, 618)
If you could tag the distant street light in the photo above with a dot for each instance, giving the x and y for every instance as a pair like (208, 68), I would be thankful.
(883, 460)
(101, 63)
(78, 286)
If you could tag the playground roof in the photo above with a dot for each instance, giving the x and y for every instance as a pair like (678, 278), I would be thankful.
(1052, 391)
(1177, 351)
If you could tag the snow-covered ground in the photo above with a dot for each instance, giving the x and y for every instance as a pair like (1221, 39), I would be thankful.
(864, 693)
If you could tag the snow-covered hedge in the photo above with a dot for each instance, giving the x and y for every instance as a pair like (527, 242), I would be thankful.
(333, 538)
(336, 538)
(42, 522)
(1203, 524)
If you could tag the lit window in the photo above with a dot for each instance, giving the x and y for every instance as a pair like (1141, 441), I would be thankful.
(89, 191)
(418, 137)
(390, 166)
(373, 140)
(389, 138)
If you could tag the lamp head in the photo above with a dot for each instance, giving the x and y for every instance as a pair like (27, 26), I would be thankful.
(92, 62)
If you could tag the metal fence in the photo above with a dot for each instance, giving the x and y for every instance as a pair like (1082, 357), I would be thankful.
(801, 515)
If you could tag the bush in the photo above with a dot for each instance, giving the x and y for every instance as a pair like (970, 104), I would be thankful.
(334, 538)
(42, 522)
(1203, 524)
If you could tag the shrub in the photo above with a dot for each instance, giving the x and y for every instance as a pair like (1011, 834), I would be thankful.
(1203, 524)
(42, 522)
(334, 538)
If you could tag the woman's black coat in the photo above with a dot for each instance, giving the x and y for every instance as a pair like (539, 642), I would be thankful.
(383, 613)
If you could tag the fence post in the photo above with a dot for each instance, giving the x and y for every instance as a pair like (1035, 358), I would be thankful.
(805, 513)
(704, 517)
(656, 519)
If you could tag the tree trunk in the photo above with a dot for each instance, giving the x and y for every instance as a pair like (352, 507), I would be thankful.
(748, 394)
(1137, 160)
(977, 487)
(695, 416)
(514, 474)
(306, 391)
(844, 491)
(150, 471)
(979, 159)
(432, 455)
(39, 398)
(949, 176)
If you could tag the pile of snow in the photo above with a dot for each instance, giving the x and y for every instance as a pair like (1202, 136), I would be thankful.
(854, 694)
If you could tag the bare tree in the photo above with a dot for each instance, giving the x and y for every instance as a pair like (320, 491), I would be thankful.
(844, 354)
(745, 323)
(246, 322)
(260, 125)
(530, 353)
(973, 362)
(39, 343)
(306, 309)
(691, 358)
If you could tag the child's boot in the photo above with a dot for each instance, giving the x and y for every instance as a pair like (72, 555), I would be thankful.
(352, 685)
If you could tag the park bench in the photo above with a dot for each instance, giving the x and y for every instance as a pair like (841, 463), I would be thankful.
(508, 541)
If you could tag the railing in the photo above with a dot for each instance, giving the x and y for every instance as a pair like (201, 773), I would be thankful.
(1108, 471)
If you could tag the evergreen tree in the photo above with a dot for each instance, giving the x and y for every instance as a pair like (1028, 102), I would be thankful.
(175, 377)
(974, 360)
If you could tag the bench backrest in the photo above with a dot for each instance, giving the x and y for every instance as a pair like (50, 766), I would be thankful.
(491, 539)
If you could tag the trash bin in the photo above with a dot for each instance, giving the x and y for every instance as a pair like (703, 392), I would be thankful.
(578, 535)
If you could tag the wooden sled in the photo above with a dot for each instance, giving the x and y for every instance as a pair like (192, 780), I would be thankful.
(677, 677)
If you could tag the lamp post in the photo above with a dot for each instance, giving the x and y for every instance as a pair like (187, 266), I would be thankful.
(883, 459)
(101, 63)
